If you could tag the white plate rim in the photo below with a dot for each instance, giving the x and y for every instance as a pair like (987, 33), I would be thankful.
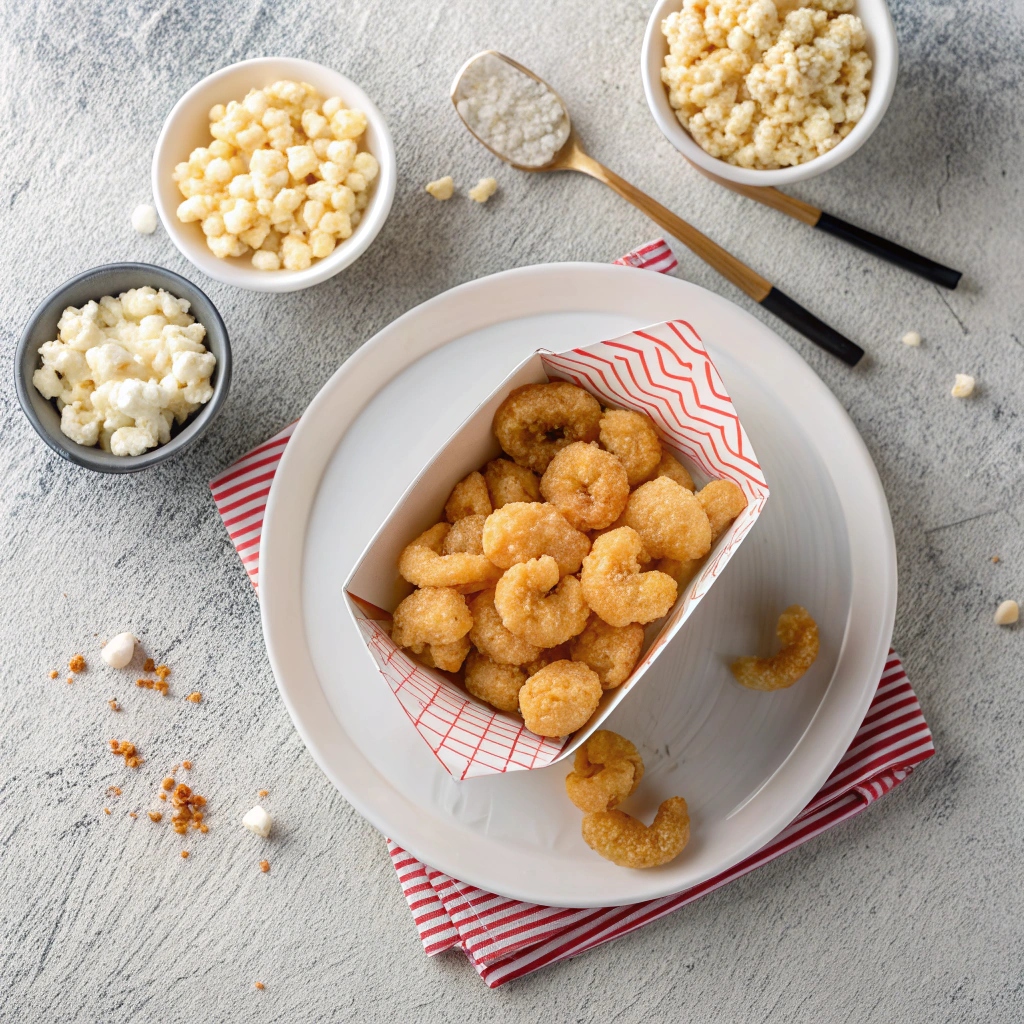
(469, 307)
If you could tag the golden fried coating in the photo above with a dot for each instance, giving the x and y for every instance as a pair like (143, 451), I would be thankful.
(507, 481)
(606, 770)
(623, 840)
(798, 634)
(722, 501)
(469, 497)
(611, 651)
(670, 520)
(523, 530)
(559, 653)
(536, 607)
(491, 638)
(631, 437)
(681, 572)
(498, 685)
(674, 470)
(588, 486)
(449, 657)
(434, 615)
(537, 420)
(423, 565)
(465, 537)
(560, 698)
(614, 586)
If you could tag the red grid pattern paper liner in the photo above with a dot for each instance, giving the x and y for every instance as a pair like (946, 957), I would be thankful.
(505, 939)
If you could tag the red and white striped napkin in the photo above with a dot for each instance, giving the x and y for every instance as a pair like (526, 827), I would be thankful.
(506, 939)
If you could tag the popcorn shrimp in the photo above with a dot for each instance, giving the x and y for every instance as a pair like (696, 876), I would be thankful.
(560, 698)
(611, 651)
(670, 520)
(623, 840)
(434, 615)
(469, 497)
(498, 685)
(631, 437)
(507, 481)
(465, 537)
(681, 572)
(539, 609)
(536, 420)
(798, 634)
(722, 501)
(491, 638)
(674, 470)
(447, 657)
(587, 485)
(423, 565)
(521, 530)
(607, 769)
(614, 586)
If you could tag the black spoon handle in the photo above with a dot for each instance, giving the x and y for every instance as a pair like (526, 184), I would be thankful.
(811, 327)
(882, 247)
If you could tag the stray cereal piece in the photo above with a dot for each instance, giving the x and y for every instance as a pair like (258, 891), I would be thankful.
(259, 985)
(161, 672)
(54, 673)
(114, 706)
(119, 650)
(106, 810)
(483, 190)
(187, 765)
(263, 792)
(184, 854)
(1007, 613)
(264, 866)
(257, 821)
(77, 663)
(144, 219)
(607, 769)
(911, 338)
(963, 387)
(155, 815)
(623, 840)
(148, 665)
(126, 749)
(442, 189)
(798, 634)
(196, 697)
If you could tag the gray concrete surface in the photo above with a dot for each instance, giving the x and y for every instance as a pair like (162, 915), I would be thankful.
(910, 913)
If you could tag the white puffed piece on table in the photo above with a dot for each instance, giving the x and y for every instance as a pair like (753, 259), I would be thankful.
(144, 219)
(483, 190)
(912, 338)
(257, 821)
(442, 188)
(963, 386)
(119, 650)
(1007, 613)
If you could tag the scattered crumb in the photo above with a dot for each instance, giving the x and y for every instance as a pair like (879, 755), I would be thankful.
(263, 792)
(132, 814)
(163, 796)
(483, 190)
(116, 790)
(152, 684)
(69, 680)
(119, 651)
(196, 697)
(912, 338)
(995, 558)
(264, 865)
(188, 809)
(257, 821)
(161, 672)
(114, 706)
(259, 985)
(125, 749)
(204, 828)
(155, 815)
(144, 219)
(148, 665)
(54, 673)
(963, 387)
(168, 783)
(77, 663)
(1007, 613)
(187, 765)
(442, 188)
(184, 854)
(106, 810)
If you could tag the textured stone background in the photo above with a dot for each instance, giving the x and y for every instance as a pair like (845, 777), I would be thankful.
(912, 912)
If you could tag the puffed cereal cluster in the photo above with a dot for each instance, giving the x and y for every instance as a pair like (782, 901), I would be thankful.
(764, 91)
(284, 177)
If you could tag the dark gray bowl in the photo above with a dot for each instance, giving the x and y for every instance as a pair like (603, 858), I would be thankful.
(94, 284)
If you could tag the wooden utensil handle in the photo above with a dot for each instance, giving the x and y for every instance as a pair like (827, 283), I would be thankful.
(878, 246)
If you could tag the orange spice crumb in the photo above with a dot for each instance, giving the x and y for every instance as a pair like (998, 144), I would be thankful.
(114, 706)
(259, 985)
(204, 829)
(161, 672)
(196, 697)
(262, 793)
(155, 815)
(995, 558)
(132, 814)
(125, 749)
(69, 680)
(106, 810)
(116, 790)
(168, 783)
(54, 673)
(264, 866)
(187, 765)
(163, 796)
(77, 663)
(184, 854)
(148, 665)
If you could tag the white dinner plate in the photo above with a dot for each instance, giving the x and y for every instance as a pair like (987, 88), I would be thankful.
(746, 762)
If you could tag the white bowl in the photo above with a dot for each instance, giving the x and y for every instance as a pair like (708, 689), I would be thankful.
(881, 47)
(188, 126)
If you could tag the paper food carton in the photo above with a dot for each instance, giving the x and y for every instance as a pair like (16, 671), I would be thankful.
(662, 371)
